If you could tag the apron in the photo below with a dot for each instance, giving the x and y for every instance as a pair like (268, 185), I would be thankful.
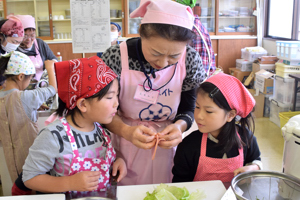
(217, 168)
(141, 169)
(80, 164)
(17, 133)
(37, 62)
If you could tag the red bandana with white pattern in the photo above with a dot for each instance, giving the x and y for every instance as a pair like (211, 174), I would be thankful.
(81, 78)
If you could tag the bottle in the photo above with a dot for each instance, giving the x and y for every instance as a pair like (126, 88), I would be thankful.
(59, 57)
(197, 9)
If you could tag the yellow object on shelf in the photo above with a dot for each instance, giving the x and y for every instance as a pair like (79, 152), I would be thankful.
(285, 116)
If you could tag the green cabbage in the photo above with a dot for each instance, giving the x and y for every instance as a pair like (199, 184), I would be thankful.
(165, 192)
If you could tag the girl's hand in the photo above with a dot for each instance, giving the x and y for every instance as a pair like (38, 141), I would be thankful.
(141, 136)
(119, 165)
(246, 169)
(170, 137)
(85, 181)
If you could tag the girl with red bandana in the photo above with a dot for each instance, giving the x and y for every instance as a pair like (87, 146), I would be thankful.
(221, 148)
(75, 148)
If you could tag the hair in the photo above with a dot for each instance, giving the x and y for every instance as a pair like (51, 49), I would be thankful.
(3, 67)
(29, 29)
(167, 31)
(228, 137)
(62, 105)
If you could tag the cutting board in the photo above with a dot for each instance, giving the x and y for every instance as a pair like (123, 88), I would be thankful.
(36, 197)
(214, 190)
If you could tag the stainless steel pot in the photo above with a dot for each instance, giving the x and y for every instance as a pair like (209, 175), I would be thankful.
(265, 185)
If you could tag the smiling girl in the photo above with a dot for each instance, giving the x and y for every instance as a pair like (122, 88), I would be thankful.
(220, 148)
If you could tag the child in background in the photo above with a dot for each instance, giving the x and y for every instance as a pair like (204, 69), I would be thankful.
(220, 149)
(18, 108)
(75, 149)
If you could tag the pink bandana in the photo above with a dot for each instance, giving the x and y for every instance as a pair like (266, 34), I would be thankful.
(237, 96)
(164, 12)
(81, 78)
(12, 27)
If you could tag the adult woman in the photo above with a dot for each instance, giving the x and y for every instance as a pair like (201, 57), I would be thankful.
(36, 49)
(12, 34)
(158, 76)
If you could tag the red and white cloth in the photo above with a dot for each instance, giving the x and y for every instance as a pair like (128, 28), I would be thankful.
(81, 78)
(216, 168)
(236, 94)
(80, 164)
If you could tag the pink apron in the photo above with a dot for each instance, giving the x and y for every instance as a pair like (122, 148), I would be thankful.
(217, 168)
(79, 164)
(141, 168)
(38, 62)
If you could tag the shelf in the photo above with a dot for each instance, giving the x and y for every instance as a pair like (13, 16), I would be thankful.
(113, 18)
(61, 20)
(13, 1)
(230, 17)
(205, 17)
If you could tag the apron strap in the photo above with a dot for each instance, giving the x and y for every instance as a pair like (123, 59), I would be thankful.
(71, 136)
(124, 55)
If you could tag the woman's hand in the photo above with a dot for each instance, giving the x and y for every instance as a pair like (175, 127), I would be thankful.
(141, 136)
(171, 136)
(119, 165)
(246, 169)
(85, 181)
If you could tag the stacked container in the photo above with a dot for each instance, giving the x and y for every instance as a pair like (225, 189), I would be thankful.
(282, 100)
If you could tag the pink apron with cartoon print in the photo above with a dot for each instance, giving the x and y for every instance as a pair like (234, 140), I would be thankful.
(217, 168)
(80, 164)
(141, 168)
(38, 62)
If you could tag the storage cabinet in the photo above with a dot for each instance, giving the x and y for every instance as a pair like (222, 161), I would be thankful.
(220, 17)
(205, 10)
(53, 19)
(236, 17)
(39, 9)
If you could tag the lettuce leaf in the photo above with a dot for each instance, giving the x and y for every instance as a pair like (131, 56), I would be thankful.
(165, 192)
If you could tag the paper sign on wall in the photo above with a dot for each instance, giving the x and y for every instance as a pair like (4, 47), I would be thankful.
(90, 21)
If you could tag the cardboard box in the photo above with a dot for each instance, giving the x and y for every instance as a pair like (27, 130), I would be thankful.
(268, 59)
(256, 66)
(242, 76)
(264, 81)
(260, 103)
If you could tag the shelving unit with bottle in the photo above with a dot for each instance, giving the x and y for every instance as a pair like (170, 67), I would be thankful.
(205, 10)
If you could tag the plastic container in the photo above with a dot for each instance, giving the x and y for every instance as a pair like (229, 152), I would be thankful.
(288, 50)
(292, 62)
(275, 108)
(267, 106)
(244, 65)
(252, 53)
(285, 116)
(284, 89)
(284, 70)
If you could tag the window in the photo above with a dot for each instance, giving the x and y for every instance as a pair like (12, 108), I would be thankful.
(283, 19)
